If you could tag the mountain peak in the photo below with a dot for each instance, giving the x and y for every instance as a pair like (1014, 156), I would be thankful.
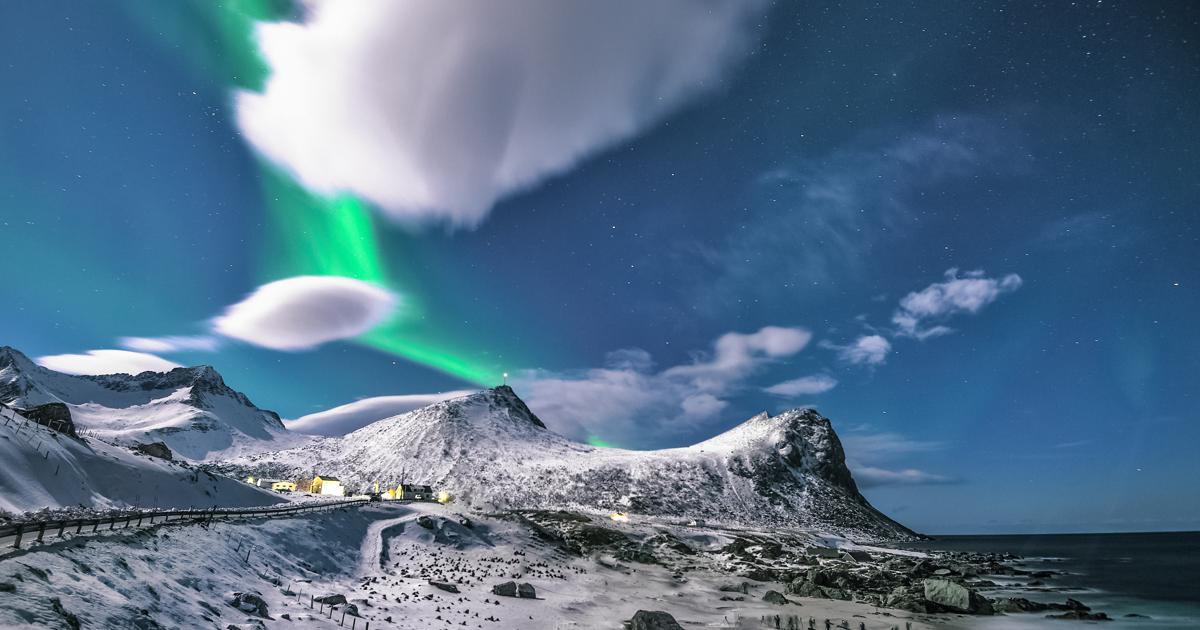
(504, 400)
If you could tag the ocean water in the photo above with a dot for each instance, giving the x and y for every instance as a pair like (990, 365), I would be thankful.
(1155, 574)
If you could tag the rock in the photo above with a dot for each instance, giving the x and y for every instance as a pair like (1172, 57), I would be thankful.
(738, 598)
(55, 416)
(942, 572)
(7, 587)
(1018, 604)
(653, 620)
(1075, 604)
(1081, 616)
(1136, 616)
(956, 597)
(775, 597)
(331, 600)
(824, 552)
(69, 618)
(426, 521)
(526, 591)
(466, 522)
(506, 589)
(251, 602)
(857, 555)
(155, 449)
(743, 588)
(445, 586)
(352, 610)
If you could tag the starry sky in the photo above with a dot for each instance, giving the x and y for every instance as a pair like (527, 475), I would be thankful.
(968, 232)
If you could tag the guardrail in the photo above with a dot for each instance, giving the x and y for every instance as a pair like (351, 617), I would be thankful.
(38, 530)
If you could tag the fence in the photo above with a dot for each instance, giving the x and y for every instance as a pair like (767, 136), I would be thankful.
(13, 535)
(28, 430)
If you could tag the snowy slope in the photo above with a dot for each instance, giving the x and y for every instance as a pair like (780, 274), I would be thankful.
(40, 468)
(489, 450)
(191, 409)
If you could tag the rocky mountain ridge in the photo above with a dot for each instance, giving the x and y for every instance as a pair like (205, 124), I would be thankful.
(489, 450)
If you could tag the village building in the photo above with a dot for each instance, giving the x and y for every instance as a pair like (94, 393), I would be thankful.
(329, 486)
(284, 486)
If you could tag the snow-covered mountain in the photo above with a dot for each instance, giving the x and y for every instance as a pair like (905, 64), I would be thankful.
(191, 409)
(488, 449)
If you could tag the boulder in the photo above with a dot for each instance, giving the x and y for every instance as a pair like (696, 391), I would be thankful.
(957, 597)
(333, 599)
(1081, 615)
(506, 589)
(155, 449)
(352, 610)
(445, 586)
(775, 597)
(1017, 604)
(743, 588)
(526, 590)
(426, 521)
(55, 416)
(251, 602)
(653, 620)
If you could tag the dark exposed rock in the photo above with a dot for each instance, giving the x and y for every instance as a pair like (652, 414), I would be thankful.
(251, 602)
(505, 589)
(653, 620)
(332, 599)
(426, 521)
(743, 588)
(526, 591)
(69, 618)
(155, 449)
(445, 586)
(55, 416)
(1081, 616)
(956, 597)
(775, 597)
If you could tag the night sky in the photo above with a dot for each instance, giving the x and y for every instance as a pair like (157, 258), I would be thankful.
(973, 230)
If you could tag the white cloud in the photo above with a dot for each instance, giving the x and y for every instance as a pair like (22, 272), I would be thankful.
(942, 300)
(306, 311)
(871, 455)
(872, 476)
(866, 350)
(201, 343)
(435, 110)
(358, 414)
(628, 400)
(737, 354)
(803, 386)
(106, 362)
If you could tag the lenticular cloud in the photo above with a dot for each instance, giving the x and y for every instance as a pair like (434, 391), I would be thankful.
(305, 311)
(435, 110)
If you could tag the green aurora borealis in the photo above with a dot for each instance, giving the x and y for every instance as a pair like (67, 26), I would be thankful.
(309, 234)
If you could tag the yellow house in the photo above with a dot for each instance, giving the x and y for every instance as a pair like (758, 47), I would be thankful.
(284, 486)
(328, 486)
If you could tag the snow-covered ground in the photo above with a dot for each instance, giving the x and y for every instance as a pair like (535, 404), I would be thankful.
(40, 468)
(381, 558)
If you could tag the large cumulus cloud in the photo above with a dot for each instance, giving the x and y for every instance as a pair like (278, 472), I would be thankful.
(435, 110)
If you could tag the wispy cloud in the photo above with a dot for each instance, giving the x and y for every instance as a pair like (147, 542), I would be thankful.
(865, 350)
(921, 311)
(95, 362)
(803, 386)
(435, 110)
(813, 221)
(173, 343)
(872, 456)
(358, 414)
(629, 400)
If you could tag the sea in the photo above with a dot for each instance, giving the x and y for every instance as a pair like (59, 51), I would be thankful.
(1156, 575)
